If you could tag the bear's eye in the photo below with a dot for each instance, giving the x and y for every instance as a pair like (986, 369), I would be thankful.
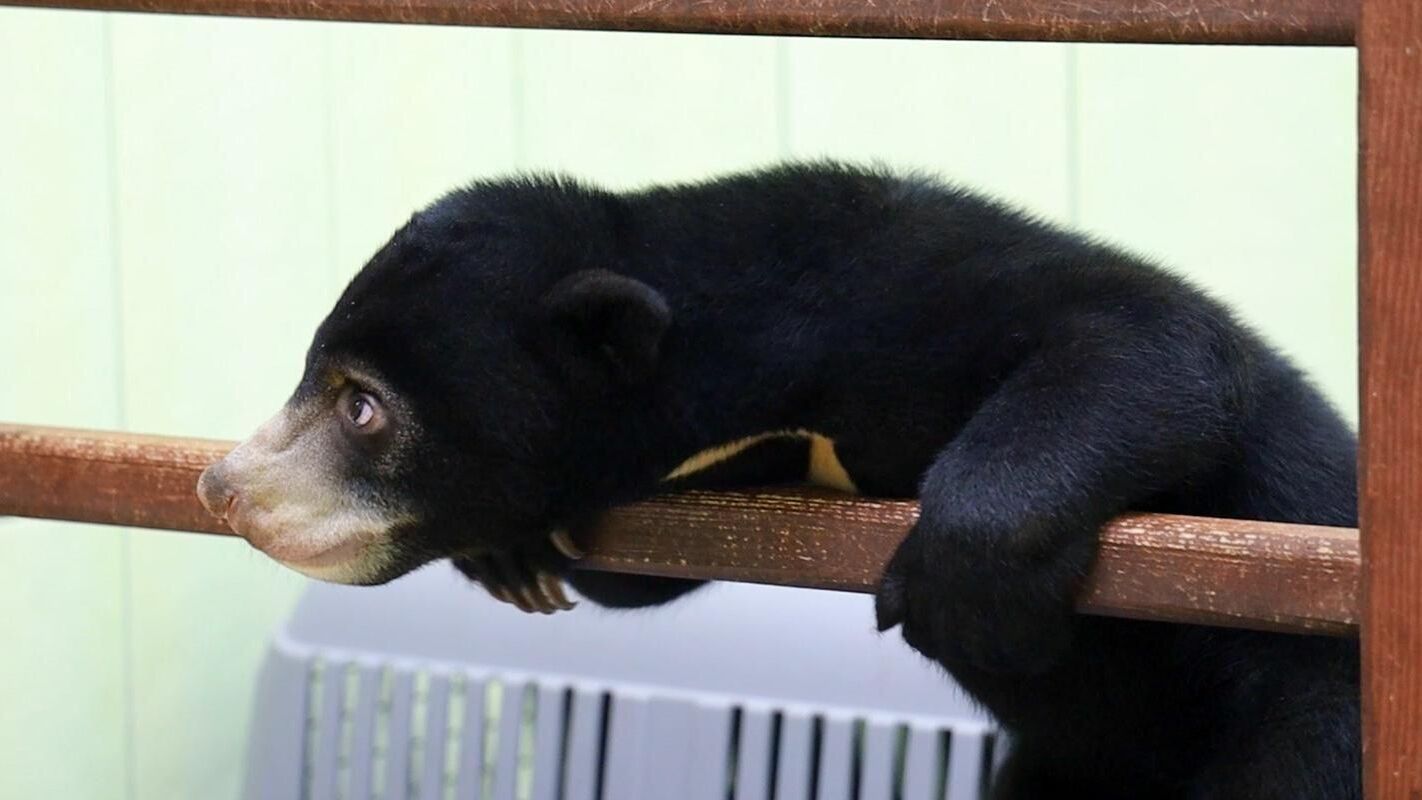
(362, 411)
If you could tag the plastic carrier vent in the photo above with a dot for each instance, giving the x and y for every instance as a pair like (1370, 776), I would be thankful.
(427, 689)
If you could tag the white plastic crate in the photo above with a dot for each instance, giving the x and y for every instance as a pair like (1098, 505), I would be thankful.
(426, 688)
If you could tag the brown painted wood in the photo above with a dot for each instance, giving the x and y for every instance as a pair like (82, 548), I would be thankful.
(1315, 22)
(1152, 566)
(1390, 294)
(106, 477)
(1179, 569)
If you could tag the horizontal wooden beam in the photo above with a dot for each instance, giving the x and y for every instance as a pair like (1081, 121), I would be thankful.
(1302, 22)
(1297, 578)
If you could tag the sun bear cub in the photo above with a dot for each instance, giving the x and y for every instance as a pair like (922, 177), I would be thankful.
(526, 353)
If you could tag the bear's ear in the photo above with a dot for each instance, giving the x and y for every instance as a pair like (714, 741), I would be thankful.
(619, 319)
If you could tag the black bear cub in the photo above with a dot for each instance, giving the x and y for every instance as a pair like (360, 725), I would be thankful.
(526, 353)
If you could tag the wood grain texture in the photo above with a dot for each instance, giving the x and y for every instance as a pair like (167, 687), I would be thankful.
(1314, 22)
(106, 477)
(1390, 294)
(1180, 569)
(1161, 567)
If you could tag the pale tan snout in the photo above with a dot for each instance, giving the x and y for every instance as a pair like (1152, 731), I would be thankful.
(218, 490)
(222, 500)
(218, 495)
(279, 490)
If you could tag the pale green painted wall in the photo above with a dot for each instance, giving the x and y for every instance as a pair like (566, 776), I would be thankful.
(180, 200)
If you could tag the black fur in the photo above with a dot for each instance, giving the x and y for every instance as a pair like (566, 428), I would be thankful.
(566, 347)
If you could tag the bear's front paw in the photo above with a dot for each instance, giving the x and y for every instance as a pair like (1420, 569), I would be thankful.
(964, 602)
(529, 577)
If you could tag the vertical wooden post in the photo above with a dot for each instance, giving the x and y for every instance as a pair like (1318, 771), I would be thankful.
(1390, 39)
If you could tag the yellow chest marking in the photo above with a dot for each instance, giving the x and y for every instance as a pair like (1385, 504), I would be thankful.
(823, 469)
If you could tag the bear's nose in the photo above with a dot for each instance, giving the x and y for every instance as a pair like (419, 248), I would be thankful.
(214, 491)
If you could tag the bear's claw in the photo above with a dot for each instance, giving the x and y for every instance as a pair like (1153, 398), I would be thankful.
(563, 543)
(512, 579)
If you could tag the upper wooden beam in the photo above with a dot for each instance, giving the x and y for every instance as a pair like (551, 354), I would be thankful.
(1390, 312)
(1303, 22)
(1296, 578)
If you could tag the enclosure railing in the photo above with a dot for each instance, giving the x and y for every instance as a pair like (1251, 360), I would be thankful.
(1297, 578)
(1281, 577)
(1315, 22)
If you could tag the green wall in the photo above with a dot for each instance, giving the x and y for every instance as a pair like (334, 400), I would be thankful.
(182, 198)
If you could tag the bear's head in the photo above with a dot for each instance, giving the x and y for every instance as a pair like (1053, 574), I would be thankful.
(447, 397)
